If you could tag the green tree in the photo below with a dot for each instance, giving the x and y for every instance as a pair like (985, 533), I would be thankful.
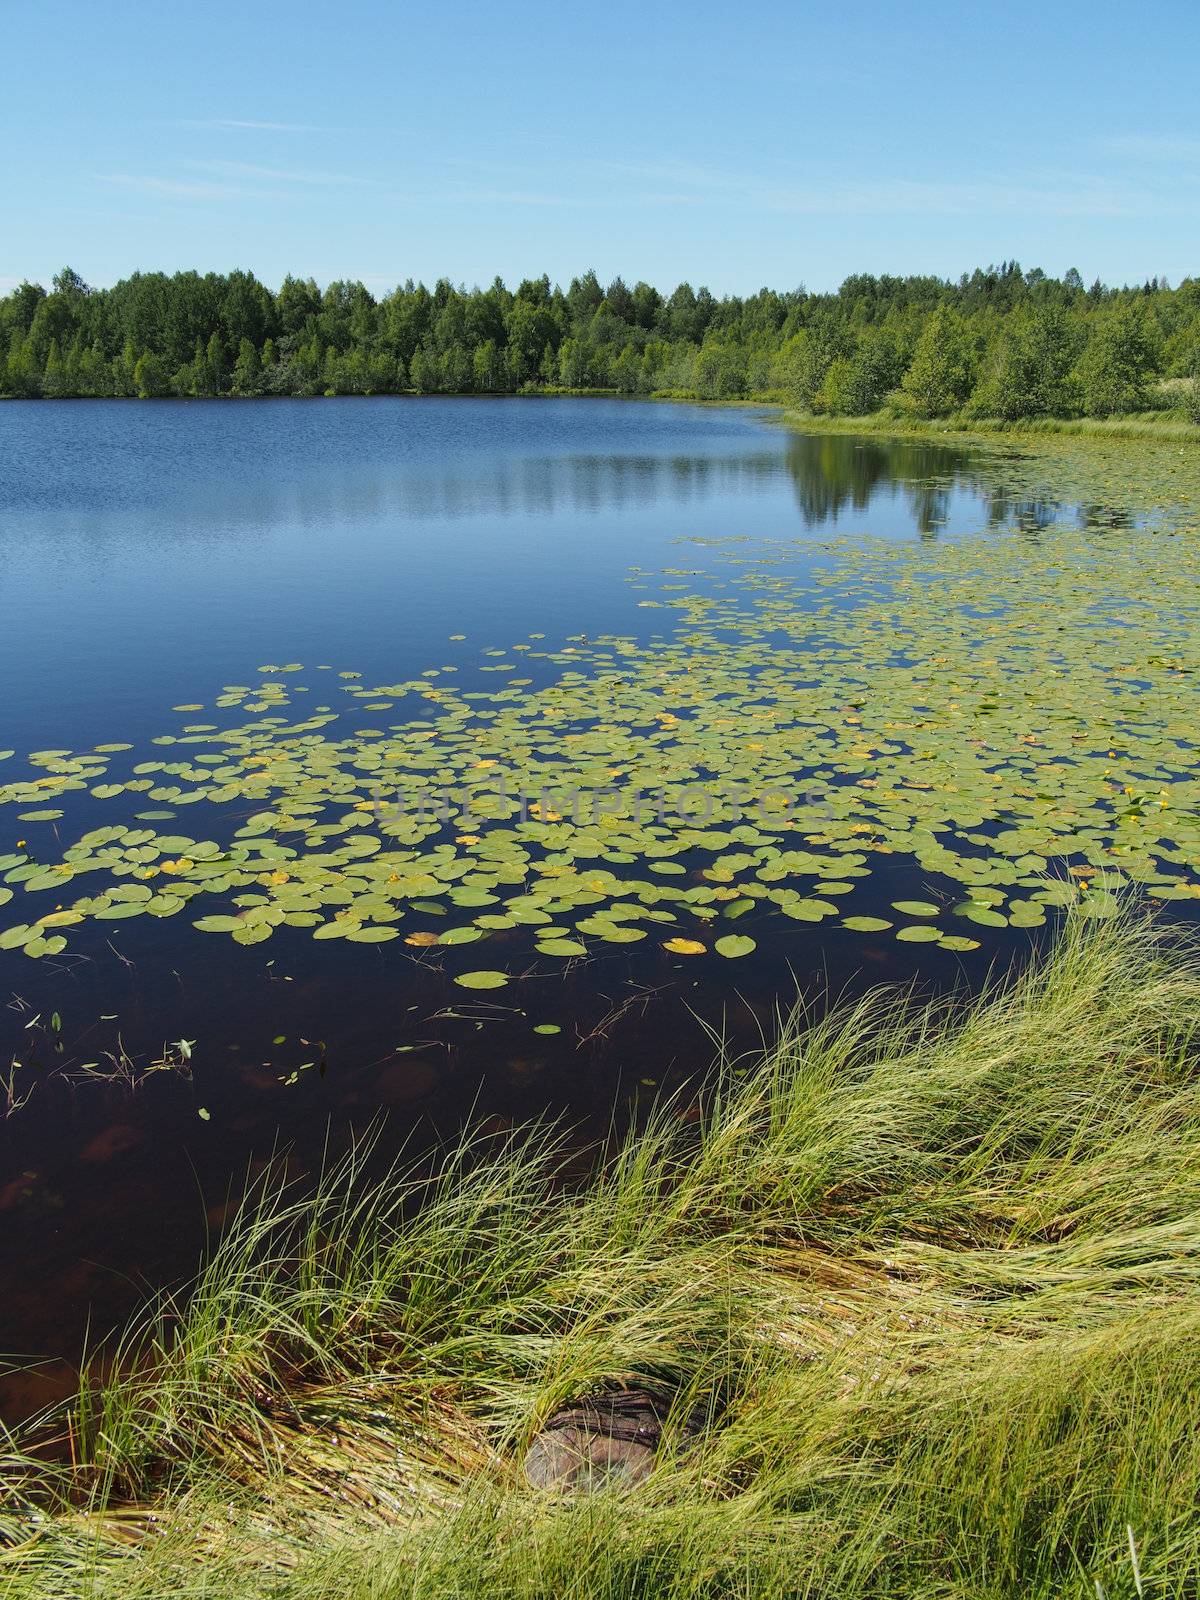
(1116, 364)
(1191, 398)
(1029, 372)
(942, 373)
(214, 365)
(573, 363)
(247, 370)
(530, 328)
(22, 373)
(836, 391)
(124, 370)
(627, 371)
(422, 373)
(149, 377)
(488, 368)
(455, 370)
(855, 385)
(720, 371)
(54, 385)
(1052, 347)
(297, 305)
(800, 367)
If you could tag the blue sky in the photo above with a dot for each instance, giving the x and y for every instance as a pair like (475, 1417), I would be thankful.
(737, 145)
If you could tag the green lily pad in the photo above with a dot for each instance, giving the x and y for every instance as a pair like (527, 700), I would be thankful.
(562, 947)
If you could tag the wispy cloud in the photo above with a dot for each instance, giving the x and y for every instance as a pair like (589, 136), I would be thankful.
(784, 187)
(1050, 193)
(245, 169)
(245, 125)
(776, 188)
(231, 180)
(508, 197)
(1079, 196)
(182, 188)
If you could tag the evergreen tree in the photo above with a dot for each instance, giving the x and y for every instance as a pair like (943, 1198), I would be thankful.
(53, 381)
(1009, 343)
(247, 370)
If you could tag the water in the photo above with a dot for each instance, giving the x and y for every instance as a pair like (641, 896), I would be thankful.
(150, 554)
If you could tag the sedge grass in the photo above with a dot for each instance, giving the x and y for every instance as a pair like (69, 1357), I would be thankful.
(929, 1274)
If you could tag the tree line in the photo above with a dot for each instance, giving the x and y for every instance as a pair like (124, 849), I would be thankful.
(998, 342)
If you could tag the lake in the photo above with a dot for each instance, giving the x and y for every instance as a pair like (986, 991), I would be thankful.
(151, 553)
(234, 628)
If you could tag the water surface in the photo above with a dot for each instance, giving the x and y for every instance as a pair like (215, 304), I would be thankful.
(151, 554)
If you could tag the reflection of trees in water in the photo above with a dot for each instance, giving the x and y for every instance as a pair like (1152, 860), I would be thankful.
(830, 474)
(833, 472)
(1008, 508)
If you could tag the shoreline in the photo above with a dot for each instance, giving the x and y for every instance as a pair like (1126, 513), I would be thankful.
(917, 1289)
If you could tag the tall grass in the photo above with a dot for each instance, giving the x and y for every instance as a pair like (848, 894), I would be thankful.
(930, 1275)
(1166, 426)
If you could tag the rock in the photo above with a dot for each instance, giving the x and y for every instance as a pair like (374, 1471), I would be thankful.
(610, 1438)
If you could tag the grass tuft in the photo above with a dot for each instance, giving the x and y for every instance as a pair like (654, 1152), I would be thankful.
(929, 1273)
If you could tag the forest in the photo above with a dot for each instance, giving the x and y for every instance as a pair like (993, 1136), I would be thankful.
(997, 343)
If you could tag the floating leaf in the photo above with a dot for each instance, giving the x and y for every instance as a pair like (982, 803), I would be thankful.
(984, 915)
(562, 947)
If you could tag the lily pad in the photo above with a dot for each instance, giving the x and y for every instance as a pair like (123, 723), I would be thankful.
(562, 947)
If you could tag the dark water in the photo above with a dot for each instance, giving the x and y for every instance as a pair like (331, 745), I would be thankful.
(150, 554)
